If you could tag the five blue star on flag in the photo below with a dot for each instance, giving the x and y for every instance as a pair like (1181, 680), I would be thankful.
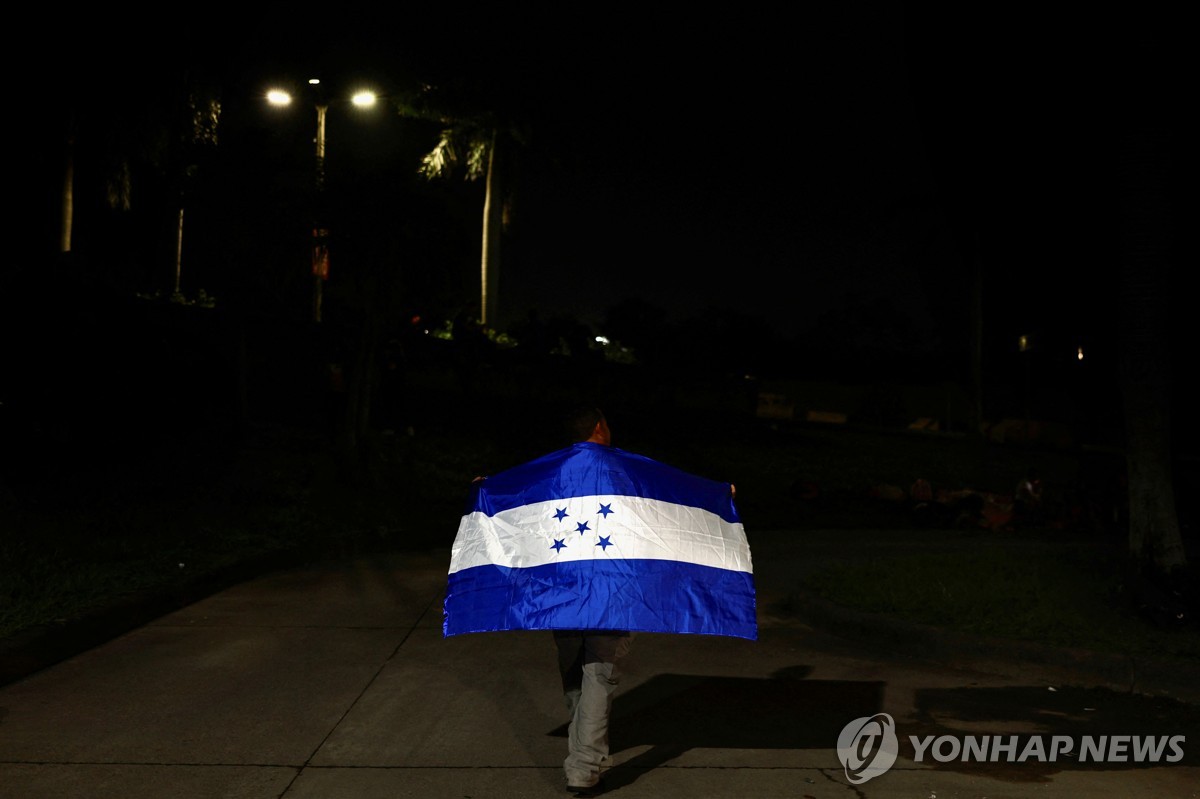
(582, 527)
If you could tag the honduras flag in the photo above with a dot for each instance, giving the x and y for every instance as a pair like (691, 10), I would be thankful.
(593, 537)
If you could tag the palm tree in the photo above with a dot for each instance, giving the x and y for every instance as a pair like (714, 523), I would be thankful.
(124, 131)
(480, 145)
(194, 135)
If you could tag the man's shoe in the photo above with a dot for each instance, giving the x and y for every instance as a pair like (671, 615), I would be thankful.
(587, 790)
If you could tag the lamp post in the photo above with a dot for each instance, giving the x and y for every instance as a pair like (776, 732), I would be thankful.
(320, 244)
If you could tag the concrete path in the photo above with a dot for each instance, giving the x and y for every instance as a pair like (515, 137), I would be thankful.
(334, 680)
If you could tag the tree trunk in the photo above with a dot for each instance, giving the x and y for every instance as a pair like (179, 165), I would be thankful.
(976, 410)
(68, 196)
(493, 204)
(1145, 361)
(179, 252)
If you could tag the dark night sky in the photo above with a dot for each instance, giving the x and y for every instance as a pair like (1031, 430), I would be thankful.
(753, 164)
(773, 160)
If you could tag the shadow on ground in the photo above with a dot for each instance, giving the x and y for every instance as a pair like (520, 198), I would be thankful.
(673, 713)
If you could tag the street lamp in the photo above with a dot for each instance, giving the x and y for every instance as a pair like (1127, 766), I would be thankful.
(320, 253)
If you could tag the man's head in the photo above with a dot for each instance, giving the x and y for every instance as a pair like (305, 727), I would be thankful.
(587, 423)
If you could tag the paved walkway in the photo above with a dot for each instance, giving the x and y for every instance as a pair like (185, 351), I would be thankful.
(334, 680)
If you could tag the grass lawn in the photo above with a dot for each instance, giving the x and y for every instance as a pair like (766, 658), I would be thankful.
(1072, 595)
(189, 507)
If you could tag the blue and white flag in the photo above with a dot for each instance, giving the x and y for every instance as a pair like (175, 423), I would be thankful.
(594, 537)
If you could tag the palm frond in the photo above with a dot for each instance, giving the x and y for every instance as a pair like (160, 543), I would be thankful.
(440, 159)
(467, 145)
(477, 158)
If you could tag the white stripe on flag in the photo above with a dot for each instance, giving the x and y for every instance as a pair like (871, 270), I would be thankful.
(632, 528)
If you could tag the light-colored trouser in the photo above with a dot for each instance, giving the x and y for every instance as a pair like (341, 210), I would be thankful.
(589, 704)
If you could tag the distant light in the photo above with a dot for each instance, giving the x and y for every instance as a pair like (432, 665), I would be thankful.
(1079, 353)
(364, 99)
(602, 340)
(313, 81)
(278, 97)
(1023, 343)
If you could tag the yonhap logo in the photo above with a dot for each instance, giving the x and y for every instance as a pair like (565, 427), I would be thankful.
(867, 747)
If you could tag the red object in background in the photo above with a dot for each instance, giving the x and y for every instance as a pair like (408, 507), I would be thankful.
(320, 260)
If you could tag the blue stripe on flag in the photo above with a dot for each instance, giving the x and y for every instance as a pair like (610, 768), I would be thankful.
(587, 469)
(640, 595)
